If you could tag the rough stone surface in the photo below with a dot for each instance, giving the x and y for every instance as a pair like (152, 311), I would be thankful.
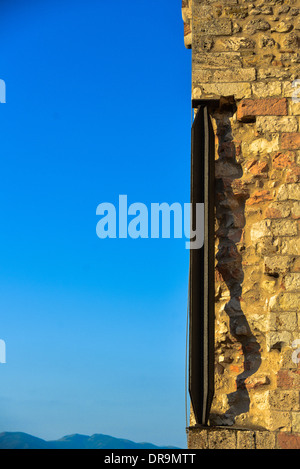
(237, 438)
(276, 124)
(246, 54)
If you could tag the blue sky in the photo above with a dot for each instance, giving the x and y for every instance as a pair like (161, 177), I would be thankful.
(98, 104)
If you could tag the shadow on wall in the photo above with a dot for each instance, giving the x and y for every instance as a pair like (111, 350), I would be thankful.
(230, 214)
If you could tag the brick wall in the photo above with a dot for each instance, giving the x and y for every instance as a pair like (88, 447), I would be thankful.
(247, 54)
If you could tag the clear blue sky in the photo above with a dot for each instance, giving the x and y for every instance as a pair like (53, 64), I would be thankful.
(98, 104)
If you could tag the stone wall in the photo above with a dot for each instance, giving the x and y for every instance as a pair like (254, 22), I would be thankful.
(246, 53)
(240, 438)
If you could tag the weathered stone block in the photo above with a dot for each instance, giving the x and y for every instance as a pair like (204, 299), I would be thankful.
(284, 227)
(254, 26)
(296, 420)
(265, 440)
(283, 27)
(204, 75)
(290, 42)
(212, 26)
(296, 210)
(285, 302)
(280, 421)
(198, 439)
(216, 60)
(222, 439)
(235, 44)
(290, 89)
(294, 108)
(216, 90)
(260, 146)
(290, 246)
(276, 124)
(292, 176)
(266, 90)
(236, 11)
(292, 282)
(278, 264)
(264, 73)
(266, 42)
(235, 75)
(286, 356)
(278, 210)
(283, 321)
(289, 192)
(266, 247)
(283, 9)
(245, 440)
(275, 340)
(284, 400)
(261, 401)
(261, 229)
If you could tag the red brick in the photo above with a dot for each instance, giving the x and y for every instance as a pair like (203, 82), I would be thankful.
(290, 140)
(284, 379)
(236, 368)
(256, 168)
(288, 441)
(259, 196)
(259, 168)
(250, 163)
(249, 108)
(283, 160)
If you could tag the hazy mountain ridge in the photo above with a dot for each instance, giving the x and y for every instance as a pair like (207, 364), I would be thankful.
(19, 440)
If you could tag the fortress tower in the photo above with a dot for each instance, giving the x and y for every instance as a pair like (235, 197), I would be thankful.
(246, 68)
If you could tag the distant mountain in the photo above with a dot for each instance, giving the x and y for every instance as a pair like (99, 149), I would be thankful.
(18, 440)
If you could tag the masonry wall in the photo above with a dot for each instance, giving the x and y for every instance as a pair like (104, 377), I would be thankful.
(246, 53)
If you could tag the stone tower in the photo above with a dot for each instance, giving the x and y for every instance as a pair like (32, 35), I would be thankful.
(245, 53)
